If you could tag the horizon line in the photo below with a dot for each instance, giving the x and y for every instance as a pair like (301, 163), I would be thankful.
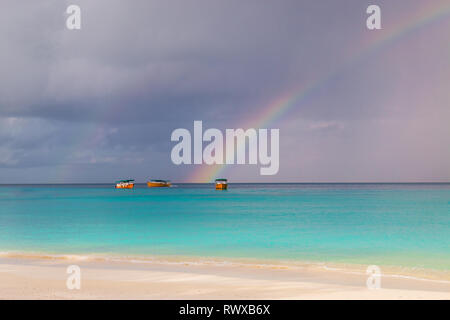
(291, 182)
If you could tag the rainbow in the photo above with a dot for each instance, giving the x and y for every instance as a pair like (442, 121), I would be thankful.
(427, 14)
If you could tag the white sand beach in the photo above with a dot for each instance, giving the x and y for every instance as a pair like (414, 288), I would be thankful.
(46, 279)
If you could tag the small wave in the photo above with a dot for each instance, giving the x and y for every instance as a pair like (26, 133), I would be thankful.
(43, 256)
(392, 272)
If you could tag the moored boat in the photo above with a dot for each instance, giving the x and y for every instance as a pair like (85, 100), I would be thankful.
(221, 184)
(158, 183)
(125, 184)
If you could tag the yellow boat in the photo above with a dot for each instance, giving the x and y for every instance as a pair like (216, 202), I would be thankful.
(158, 183)
(125, 184)
(221, 184)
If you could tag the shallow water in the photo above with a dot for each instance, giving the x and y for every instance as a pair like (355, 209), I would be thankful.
(385, 224)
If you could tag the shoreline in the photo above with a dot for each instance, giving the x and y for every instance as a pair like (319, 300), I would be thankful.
(45, 278)
(420, 274)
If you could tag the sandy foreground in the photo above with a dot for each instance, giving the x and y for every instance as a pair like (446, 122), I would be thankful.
(46, 279)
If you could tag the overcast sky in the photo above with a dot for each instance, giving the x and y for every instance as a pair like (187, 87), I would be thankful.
(100, 103)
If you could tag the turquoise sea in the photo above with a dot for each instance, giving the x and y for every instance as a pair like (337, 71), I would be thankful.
(405, 225)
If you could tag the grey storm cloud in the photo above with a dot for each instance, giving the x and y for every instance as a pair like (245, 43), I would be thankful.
(100, 103)
(147, 58)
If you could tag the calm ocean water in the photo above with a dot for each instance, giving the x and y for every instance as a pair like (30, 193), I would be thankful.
(386, 224)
